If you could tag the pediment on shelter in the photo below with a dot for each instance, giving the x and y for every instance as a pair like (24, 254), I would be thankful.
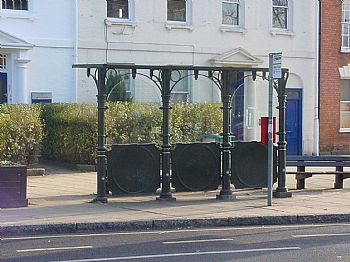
(10, 41)
(236, 57)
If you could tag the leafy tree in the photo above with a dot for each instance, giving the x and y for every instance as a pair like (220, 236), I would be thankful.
(115, 88)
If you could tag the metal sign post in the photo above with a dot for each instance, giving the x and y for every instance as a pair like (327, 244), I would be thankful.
(275, 72)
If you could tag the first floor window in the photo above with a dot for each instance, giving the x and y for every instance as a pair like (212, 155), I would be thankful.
(118, 9)
(180, 93)
(177, 10)
(2, 61)
(345, 104)
(346, 24)
(230, 12)
(280, 14)
(15, 4)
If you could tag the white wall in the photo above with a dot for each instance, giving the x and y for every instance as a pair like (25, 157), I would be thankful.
(147, 40)
(49, 26)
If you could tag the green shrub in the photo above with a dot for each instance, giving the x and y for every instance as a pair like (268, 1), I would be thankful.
(70, 133)
(20, 133)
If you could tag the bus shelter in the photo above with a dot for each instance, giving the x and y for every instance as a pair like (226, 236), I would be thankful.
(160, 75)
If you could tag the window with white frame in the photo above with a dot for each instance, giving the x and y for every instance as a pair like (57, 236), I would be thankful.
(177, 10)
(345, 25)
(14, 5)
(181, 91)
(3, 61)
(280, 13)
(230, 12)
(119, 9)
(345, 104)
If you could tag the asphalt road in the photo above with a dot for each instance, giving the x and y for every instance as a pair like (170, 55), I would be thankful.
(266, 243)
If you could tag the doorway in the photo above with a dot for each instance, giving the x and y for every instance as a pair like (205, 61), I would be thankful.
(294, 121)
(3, 88)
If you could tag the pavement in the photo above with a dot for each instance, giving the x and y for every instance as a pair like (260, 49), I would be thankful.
(61, 202)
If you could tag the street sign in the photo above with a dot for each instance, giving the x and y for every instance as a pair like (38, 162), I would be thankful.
(275, 72)
(276, 65)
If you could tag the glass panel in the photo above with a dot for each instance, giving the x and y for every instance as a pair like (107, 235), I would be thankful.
(344, 120)
(176, 97)
(280, 2)
(24, 4)
(15, 4)
(230, 13)
(345, 106)
(125, 73)
(345, 90)
(180, 93)
(18, 4)
(279, 19)
(118, 9)
(177, 10)
(2, 61)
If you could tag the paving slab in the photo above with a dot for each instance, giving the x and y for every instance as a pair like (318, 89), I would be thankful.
(60, 202)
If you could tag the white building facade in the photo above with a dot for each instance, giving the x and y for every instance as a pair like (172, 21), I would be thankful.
(205, 32)
(41, 39)
(37, 39)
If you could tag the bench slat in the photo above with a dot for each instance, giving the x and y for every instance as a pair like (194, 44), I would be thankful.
(319, 172)
(318, 158)
(317, 163)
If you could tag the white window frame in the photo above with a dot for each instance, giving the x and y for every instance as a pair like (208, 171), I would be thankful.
(238, 2)
(131, 15)
(188, 14)
(289, 21)
(343, 112)
(345, 21)
(15, 10)
(21, 14)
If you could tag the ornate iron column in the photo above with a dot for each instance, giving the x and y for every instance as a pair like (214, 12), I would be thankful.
(101, 148)
(226, 193)
(166, 147)
(282, 190)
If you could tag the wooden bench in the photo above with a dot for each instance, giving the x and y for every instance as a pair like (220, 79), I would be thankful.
(302, 162)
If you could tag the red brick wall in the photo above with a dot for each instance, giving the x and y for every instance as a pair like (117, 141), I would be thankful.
(331, 141)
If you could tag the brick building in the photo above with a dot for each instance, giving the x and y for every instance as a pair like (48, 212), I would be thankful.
(335, 77)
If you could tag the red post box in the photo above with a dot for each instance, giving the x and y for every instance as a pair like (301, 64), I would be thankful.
(264, 124)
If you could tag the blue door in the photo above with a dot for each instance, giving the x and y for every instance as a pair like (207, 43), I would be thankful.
(3, 88)
(294, 121)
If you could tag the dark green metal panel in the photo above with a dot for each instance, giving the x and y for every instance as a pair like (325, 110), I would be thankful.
(196, 167)
(249, 165)
(133, 169)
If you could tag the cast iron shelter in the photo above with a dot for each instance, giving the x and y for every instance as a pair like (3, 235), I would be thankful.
(161, 75)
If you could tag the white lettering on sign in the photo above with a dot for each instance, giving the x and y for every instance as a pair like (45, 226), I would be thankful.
(277, 65)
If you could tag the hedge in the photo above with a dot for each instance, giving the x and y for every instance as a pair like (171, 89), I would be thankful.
(70, 133)
(20, 133)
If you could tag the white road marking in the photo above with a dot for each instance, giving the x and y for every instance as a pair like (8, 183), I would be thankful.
(197, 241)
(52, 249)
(183, 254)
(170, 231)
(321, 235)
